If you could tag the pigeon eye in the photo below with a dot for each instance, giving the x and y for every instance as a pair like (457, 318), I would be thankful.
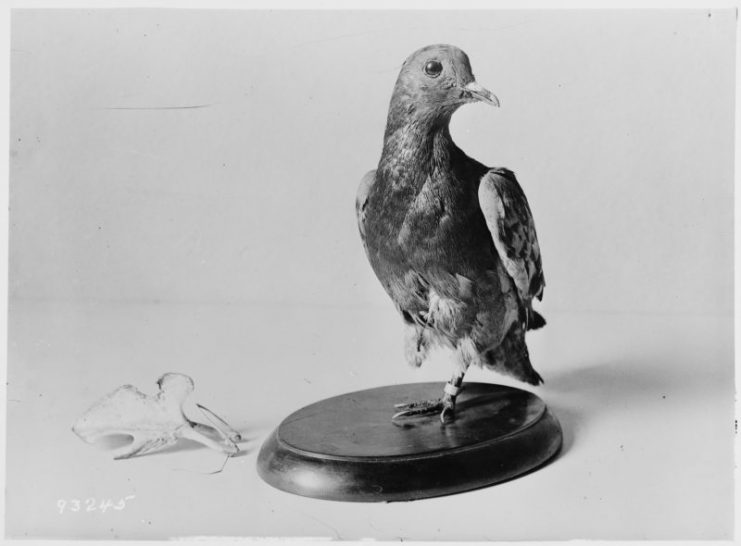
(433, 68)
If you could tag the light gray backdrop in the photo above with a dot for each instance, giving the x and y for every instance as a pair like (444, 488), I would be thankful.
(182, 190)
(619, 127)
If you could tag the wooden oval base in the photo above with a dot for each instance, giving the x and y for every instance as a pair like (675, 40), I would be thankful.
(347, 448)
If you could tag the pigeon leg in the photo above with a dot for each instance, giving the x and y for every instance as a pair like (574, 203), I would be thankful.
(444, 405)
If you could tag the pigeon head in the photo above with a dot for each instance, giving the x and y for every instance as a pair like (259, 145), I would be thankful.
(434, 82)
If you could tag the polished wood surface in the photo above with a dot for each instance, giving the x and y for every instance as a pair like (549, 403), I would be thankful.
(347, 448)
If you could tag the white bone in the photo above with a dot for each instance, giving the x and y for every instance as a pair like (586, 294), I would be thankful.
(153, 421)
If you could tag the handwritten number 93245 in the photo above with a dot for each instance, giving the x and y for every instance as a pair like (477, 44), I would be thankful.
(92, 504)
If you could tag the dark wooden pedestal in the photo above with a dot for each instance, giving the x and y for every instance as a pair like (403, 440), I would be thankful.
(347, 448)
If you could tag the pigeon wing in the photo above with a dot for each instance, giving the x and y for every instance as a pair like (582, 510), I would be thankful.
(512, 229)
(361, 201)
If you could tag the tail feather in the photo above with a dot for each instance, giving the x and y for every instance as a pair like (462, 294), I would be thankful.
(512, 358)
(535, 320)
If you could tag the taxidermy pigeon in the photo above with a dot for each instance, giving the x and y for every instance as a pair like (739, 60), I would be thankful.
(452, 241)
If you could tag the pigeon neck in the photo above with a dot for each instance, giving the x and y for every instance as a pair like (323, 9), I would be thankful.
(420, 141)
(407, 115)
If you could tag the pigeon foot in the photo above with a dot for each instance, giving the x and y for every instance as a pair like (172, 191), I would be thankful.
(444, 405)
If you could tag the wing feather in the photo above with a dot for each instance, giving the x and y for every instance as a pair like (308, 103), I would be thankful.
(512, 229)
(361, 200)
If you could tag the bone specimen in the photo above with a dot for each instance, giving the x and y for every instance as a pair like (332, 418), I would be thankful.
(153, 421)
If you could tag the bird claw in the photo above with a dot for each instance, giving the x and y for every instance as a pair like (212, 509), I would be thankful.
(447, 415)
(425, 407)
(411, 409)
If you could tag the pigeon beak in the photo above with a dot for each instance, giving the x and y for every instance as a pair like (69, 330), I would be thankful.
(478, 92)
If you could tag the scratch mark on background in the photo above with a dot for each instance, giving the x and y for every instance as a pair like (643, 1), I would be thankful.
(187, 107)
(324, 523)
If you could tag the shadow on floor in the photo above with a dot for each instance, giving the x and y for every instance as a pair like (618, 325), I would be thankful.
(578, 395)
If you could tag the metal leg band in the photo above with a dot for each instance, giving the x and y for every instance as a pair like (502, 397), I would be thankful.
(451, 389)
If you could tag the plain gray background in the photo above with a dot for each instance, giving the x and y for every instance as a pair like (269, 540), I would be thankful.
(618, 124)
(182, 190)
